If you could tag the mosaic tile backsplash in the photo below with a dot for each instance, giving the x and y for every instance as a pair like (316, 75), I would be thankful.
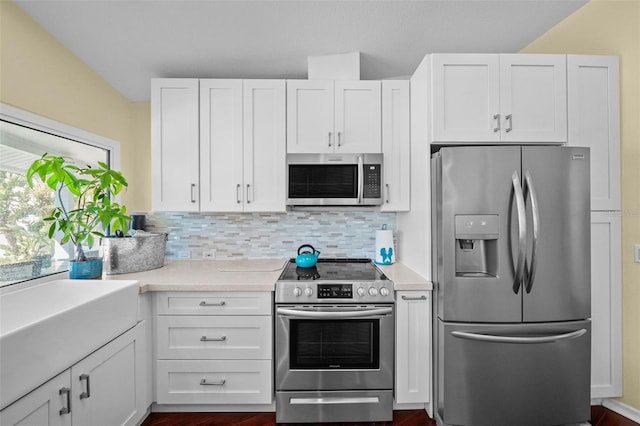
(270, 235)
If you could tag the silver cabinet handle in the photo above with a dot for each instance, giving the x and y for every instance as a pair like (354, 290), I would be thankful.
(496, 117)
(329, 139)
(213, 339)
(248, 199)
(204, 382)
(86, 394)
(339, 134)
(511, 339)
(67, 409)
(222, 303)
(386, 185)
(522, 231)
(423, 297)
(510, 123)
(238, 186)
(193, 195)
(530, 192)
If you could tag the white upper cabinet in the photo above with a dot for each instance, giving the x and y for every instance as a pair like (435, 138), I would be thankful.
(499, 98)
(174, 144)
(242, 145)
(221, 174)
(218, 145)
(324, 116)
(396, 146)
(594, 122)
(264, 145)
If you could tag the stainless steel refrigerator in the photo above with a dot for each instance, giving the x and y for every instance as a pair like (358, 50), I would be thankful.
(511, 271)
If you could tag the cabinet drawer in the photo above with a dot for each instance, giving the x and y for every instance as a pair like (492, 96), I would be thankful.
(214, 303)
(214, 382)
(214, 337)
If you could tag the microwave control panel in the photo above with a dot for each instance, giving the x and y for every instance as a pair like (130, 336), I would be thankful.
(372, 181)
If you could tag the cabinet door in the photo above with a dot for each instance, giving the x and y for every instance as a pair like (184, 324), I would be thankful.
(594, 122)
(105, 384)
(533, 98)
(358, 117)
(48, 405)
(606, 305)
(413, 349)
(466, 100)
(174, 144)
(221, 145)
(310, 116)
(396, 145)
(264, 145)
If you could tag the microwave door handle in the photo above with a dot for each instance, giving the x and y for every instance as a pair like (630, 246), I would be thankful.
(360, 178)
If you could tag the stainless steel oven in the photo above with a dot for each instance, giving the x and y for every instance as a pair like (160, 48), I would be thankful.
(334, 344)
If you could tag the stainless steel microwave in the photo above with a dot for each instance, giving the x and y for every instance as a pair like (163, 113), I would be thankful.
(334, 179)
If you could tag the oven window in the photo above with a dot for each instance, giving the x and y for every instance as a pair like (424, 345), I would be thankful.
(335, 344)
(323, 181)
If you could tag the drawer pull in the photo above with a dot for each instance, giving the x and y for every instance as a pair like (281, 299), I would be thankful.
(203, 303)
(204, 382)
(423, 297)
(213, 339)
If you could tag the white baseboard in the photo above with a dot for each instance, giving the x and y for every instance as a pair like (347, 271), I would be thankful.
(622, 409)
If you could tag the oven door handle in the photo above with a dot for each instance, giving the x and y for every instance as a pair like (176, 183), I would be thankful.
(332, 314)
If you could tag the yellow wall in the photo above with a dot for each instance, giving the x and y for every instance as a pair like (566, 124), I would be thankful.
(610, 27)
(39, 75)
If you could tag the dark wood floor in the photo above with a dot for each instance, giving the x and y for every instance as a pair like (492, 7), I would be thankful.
(600, 416)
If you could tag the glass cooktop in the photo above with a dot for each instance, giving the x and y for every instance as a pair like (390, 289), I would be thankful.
(334, 270)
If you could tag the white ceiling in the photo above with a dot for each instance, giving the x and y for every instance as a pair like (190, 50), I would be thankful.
(128, 42)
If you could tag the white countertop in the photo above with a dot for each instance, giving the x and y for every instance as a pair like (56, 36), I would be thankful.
(242, 275)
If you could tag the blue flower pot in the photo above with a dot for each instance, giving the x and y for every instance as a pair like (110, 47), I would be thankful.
(89, 269)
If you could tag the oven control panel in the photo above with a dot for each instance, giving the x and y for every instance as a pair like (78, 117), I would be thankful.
(335, 291)
(379, 292)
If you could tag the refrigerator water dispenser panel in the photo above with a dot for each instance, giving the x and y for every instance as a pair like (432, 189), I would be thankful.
(476, 245)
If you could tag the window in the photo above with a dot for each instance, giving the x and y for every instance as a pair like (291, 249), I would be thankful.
(26, 252)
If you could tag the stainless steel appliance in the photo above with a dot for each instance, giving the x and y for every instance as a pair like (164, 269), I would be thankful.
(334, 179)
(334, 340)
(511, 265)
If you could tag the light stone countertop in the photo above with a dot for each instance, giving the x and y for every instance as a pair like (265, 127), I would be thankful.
(405, 278)
(242, 275)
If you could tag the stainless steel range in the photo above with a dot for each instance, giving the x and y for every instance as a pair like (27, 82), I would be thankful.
(334, 339)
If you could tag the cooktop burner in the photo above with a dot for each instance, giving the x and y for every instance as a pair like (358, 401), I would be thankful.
(334, 270)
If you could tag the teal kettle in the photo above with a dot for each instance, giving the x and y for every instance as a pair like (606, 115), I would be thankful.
(306, 258)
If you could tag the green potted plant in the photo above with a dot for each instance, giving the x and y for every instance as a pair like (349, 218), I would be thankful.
(93, 209)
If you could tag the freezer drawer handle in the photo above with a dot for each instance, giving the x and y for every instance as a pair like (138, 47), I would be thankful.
(530, 192)
(335, 400)
(521, 340)
(522, 231)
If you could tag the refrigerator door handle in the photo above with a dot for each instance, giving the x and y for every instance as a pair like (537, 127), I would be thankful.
(522, 231)
(519, 340)
(530, 192)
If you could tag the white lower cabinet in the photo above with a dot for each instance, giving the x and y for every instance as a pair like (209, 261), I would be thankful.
(606, 302)
(413, 347)
(104, 389)
(214, 348)
(214, 382)
(48, 405)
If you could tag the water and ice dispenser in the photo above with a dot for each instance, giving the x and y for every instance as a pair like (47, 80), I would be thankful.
(476, 245)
